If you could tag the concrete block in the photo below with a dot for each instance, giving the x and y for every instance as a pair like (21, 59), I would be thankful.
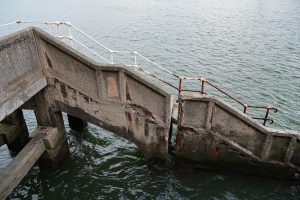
(232, 141)
(21, 164)
(50, 138)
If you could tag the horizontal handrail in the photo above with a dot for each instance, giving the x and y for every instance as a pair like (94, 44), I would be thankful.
(137, 55)
(245, 106)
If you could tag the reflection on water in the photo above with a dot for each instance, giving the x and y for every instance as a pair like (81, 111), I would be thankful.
(249, 47)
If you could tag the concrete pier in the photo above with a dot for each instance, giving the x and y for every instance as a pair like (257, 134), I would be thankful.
(22, 163)
(40, 73)
(48, 117)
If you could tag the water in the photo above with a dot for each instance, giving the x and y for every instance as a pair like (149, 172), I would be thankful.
(249, 47)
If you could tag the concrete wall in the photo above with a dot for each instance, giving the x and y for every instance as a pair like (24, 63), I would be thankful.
(42, 73)
(20, 72)
(111, 96)
(214, 135)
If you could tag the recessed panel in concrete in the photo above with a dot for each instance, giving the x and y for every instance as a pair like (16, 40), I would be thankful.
(237, 130)
(194, 114)
(141, 94)
(279, 148)
(111, 84)
(18, 57)
(66, 67)
(295, 159)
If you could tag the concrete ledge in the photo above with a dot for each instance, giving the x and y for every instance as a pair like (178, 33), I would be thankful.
(19, 97)
(51, 136)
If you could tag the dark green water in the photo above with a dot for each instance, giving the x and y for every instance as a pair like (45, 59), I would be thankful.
(249, 47)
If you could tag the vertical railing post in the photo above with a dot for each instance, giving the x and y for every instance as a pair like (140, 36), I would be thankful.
(267, 114)
(180, 87)
(202, 86)
(245, 108)
(111, 56)
(19, 24)
(58, 30)
(135, 53)
(71, 37)
(49, 27)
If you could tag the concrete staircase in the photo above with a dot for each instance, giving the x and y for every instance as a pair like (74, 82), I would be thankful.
(215, 135)
(40, 73)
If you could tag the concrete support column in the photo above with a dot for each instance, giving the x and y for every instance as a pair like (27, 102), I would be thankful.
(47, 116)
(14, 131)
(76, 124)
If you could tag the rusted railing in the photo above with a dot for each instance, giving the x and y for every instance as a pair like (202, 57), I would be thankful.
(245, 105)
(180, 89)
(58, 25)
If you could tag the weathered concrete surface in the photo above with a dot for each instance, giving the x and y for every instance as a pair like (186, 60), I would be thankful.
(50, 77)
(111, 96)
(47, 116)
(8, 133)
(216, 136)
(20, 71)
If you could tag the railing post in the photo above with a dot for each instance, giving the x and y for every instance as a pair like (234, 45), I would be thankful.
(58, 29)
(49, 27)
(180, 87)
(202, 86)
(267, 114)
(245, 108)
(111, 56)
(135, 53)
(71, 37)
(19, 24)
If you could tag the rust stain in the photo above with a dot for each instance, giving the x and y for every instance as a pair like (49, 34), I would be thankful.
(129, 121)
(212, 115)
(137, 120)
(112, 87)
(179, 140)
(146, 132)
(216, 151)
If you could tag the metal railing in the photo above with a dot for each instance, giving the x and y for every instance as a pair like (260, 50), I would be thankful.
(244, 105)
(136, 55)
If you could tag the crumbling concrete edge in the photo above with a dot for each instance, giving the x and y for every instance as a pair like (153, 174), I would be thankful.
(9, 106)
